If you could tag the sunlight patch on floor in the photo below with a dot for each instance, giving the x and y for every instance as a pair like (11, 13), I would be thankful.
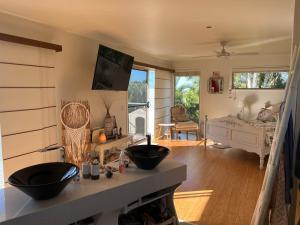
(180, 143)
(190, 205)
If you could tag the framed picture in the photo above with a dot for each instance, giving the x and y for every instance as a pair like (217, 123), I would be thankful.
(215, 84)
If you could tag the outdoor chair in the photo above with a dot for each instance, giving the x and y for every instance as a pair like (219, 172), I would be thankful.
(182, 122)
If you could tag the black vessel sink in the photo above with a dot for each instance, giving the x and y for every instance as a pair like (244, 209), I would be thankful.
(147, 157)
(44, 181)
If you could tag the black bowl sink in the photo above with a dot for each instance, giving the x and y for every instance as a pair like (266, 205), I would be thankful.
(147, 157)
(43, 181)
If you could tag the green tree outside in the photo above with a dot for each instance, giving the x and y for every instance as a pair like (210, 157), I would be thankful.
(137, 93)
(187, 94)
(263, 80)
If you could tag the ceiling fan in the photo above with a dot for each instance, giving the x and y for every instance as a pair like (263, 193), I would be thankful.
(224, 53)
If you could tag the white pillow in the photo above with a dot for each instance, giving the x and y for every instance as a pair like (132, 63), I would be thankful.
(275, 108)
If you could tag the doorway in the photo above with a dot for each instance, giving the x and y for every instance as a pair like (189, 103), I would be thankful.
(138, 104)
(187, 93)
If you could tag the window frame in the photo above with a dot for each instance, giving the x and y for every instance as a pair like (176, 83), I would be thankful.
(257, 71)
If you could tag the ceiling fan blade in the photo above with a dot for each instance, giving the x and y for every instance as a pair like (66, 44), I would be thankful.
(253, 43)
(208, 44)
(244, 53)
(204, 56)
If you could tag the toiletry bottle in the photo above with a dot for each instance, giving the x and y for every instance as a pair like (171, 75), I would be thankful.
(95, 170)
(121, 162)
(120, 132)
(115, 130)
(108, 172)
(86, 167)
(86, 170)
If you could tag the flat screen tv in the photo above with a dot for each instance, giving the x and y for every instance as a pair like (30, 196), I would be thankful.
(112, 71)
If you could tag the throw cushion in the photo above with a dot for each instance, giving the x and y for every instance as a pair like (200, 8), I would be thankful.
(188, 125)
(275, 108)
(266, 115)
(179, 114)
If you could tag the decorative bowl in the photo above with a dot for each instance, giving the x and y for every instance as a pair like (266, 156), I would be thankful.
(147, 157)
(44, 181)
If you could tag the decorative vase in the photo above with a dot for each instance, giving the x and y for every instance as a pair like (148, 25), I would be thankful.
(108, 125)
(102, 138)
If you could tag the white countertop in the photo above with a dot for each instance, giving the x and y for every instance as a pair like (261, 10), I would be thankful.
(88, 197)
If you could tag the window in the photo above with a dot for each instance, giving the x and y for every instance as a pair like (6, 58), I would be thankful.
(259, 80)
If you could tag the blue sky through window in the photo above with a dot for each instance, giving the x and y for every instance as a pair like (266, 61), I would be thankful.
(138, 75)
(186, 81)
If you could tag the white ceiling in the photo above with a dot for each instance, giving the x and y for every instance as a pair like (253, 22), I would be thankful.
(169, 29)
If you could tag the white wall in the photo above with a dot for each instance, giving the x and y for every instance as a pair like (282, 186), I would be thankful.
(75, 66)
(217, 105)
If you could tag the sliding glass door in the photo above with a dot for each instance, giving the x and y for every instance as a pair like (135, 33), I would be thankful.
(138, 104)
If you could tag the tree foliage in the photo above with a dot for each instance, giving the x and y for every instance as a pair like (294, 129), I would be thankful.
(137, 92)
(187, 94)
(260, 80)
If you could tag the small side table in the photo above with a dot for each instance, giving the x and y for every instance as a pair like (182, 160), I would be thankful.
(121, 143)
(168, 127)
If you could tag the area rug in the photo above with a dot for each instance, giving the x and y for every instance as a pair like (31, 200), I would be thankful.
(220, 146)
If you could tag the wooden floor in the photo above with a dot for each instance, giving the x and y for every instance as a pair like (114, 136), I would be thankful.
(222, 185)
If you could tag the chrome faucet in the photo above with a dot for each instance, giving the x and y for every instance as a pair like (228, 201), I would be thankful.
(52, 148)
(148, 136)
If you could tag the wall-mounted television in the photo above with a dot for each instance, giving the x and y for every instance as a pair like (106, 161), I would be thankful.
(112, 71)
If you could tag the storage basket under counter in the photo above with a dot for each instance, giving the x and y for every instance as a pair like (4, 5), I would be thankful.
(154, 209)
